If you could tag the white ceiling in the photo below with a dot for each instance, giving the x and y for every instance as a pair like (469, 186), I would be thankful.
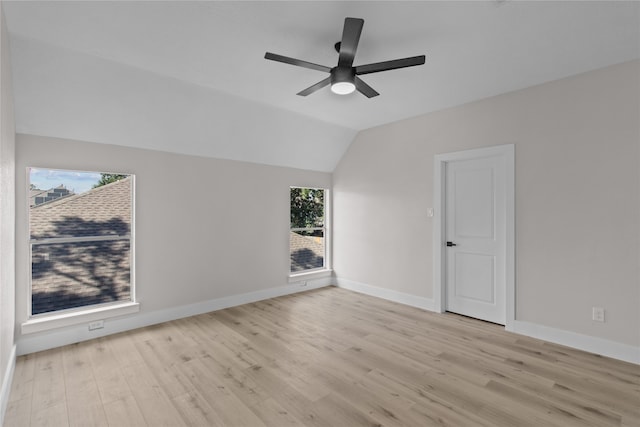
(190, 77)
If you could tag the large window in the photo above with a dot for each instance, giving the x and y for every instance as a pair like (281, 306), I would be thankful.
(80, 227)
(307, 236)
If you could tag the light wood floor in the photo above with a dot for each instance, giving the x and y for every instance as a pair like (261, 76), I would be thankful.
(328, 357)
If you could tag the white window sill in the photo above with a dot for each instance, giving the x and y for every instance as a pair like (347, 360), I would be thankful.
(70, 318)
(310, 275)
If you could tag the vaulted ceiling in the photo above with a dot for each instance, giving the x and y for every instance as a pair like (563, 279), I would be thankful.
(190, 77)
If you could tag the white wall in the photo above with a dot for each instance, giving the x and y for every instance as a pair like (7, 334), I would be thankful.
(205, 229)
(7, 220)
(577, 199)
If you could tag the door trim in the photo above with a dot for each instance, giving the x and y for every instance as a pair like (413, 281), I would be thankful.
(439, 231)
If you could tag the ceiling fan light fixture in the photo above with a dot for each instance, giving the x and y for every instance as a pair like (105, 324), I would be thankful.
(343, 88)
(343, 80)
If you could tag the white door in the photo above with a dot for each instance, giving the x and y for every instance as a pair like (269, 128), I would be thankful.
(475, 237)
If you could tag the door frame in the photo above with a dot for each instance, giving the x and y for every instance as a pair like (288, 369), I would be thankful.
(507, 151)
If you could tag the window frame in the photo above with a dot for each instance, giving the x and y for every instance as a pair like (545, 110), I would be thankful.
(326, 269)
(77, 315)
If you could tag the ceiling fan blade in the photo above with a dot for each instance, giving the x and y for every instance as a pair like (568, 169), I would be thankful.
(350, 38)
(297, 62)
(390, 65)
(364, 88)
(315, 87)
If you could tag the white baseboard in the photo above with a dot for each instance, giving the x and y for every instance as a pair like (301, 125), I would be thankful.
(395, 296)
(56, 338)
(7, 379)
(34, 342)
(615, 350)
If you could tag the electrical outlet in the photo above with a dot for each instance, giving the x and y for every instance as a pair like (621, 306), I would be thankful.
(98, 324)
(598, 314)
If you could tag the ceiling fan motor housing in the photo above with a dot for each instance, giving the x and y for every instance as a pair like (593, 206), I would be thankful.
(343, 75)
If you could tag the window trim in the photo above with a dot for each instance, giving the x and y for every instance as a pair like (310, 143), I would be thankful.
(308, 229)
(327, 269)
(79, 315)
(54, 240)
(316, 273)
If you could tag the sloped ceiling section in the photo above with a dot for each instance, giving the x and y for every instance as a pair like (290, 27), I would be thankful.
(191, 77)
(67, 94)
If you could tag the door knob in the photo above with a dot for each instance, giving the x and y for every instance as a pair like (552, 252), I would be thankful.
(451, 244)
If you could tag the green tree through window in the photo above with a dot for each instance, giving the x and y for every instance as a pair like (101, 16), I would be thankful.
(108, 178)
(307, 207)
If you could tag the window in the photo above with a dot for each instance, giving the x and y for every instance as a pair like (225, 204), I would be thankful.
(80, 228)
(307, 234)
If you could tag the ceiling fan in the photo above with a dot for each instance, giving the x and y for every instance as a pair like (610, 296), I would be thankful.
(344, 77)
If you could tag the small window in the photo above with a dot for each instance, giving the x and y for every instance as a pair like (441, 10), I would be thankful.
(80, 228)
(307, 234)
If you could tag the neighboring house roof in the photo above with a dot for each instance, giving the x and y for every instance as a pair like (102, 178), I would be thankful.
(75, 274)
(104, 210)
(307, 252)
(38, 197)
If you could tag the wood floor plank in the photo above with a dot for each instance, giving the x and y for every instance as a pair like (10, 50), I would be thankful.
(196, 411)
(164, 368)
(274, 414)
(620, 402)
(286, 396)
(436, 410)
(454, 389)
(106, 371)
(24, 373)
(228, 406)
(327, 357)
(340, 412)
(386, 409)
(579, 404)
(50, 416)
(124, 412)
(49, 384)
(124, 349)
(18, 413)
(155, 406)
(84, 405)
